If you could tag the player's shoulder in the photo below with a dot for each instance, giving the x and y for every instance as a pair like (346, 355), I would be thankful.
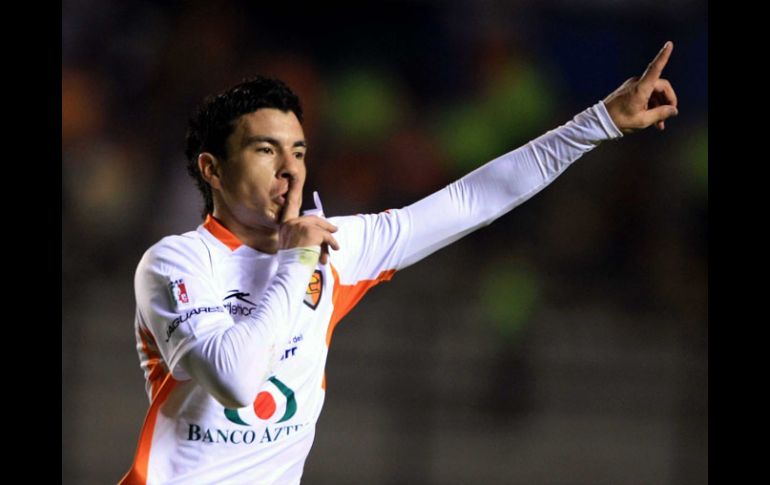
(362, 232)
(188, 250)
(344, 221)
(388, 219)
(189, 242)
(358, 219)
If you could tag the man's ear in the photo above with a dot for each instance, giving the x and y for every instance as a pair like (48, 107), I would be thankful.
(209, 167)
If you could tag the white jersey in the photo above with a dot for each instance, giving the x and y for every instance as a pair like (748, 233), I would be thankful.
(206, 286)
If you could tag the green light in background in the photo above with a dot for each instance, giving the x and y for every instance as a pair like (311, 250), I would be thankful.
(520, 101)
(364, 105)
(513, 108)
(467, 136)
(508, 297)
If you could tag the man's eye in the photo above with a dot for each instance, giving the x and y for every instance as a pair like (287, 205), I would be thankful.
(266, 150)
(300, 155)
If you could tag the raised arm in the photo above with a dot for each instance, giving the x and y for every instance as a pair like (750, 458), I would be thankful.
(502, 184)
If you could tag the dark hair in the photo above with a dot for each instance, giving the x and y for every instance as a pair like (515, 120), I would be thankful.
(214, 121)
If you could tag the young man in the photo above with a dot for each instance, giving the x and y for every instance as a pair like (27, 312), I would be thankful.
(234, 319)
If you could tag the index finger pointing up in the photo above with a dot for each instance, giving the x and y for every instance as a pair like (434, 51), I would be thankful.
(293, 202)
(655, 68)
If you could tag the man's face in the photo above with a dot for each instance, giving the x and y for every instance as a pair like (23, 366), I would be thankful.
(266, 155)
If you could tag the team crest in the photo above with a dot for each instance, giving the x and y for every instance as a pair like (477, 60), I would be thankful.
(314, 290)
(179, 292)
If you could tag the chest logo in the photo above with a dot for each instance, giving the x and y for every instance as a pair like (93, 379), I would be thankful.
(239, 295)
(265, 405)
(314, 290)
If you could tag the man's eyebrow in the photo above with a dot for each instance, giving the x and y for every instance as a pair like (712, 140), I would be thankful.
(271, 140)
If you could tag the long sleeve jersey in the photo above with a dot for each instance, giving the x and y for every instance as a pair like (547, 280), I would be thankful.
(233, 342)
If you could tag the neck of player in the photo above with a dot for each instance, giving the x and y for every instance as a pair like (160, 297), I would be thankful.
(262, 238)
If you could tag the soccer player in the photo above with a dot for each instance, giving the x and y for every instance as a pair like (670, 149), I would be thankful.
(234, 319)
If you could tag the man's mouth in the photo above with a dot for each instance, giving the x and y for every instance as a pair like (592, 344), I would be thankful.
(280, 201)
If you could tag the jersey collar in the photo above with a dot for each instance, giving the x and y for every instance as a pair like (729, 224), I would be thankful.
(213, 226)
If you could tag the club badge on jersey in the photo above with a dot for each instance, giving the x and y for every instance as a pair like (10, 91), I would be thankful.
(314, 290)
(178, 292)
(315, 286)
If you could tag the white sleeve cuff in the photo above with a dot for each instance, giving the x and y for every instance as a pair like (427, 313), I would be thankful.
(606, 121)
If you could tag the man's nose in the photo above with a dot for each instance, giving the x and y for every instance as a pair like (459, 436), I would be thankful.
(289, 167)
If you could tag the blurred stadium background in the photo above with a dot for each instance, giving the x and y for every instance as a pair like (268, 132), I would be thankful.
(564, 344)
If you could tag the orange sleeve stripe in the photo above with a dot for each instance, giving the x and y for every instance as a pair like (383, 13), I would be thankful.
(154, 363)
(137, 475)
(345, 297)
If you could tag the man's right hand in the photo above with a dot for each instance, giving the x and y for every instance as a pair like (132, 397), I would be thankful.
(308, 231)
(299, 231)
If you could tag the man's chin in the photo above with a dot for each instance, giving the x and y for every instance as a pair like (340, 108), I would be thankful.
(272, 222)
(270, 219)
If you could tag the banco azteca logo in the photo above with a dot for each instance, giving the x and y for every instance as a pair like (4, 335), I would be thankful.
(265, 405)
(314, 290)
